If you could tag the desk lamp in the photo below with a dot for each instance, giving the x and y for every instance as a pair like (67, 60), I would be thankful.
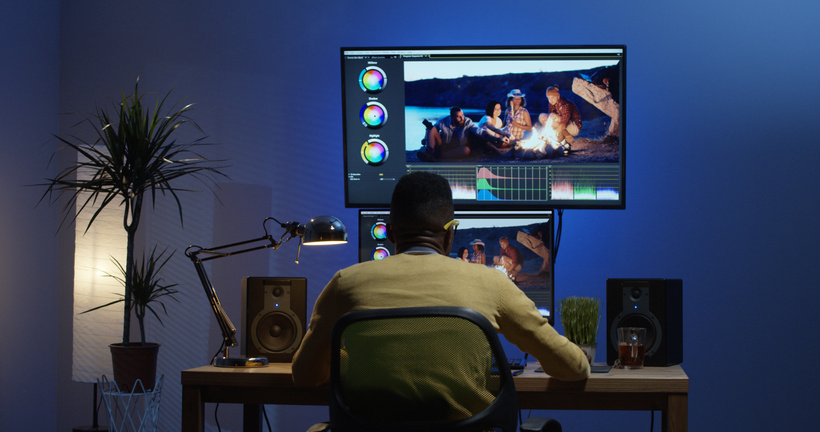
(321, 230)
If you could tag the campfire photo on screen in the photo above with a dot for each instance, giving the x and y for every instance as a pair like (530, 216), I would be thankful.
(433, 88)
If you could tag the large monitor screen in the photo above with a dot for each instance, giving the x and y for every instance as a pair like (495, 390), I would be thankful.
(509, 127)
(479, 239)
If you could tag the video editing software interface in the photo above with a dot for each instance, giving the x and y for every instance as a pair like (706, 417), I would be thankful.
(530, 232)
(387, 93)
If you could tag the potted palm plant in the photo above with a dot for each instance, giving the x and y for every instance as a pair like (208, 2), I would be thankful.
(134, 156)
(580, 317)
(147, 291)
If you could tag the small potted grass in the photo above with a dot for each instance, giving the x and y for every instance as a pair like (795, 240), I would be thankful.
(580, 317)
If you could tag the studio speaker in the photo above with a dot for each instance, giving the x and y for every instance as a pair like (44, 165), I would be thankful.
(654, 304)
(274, 317)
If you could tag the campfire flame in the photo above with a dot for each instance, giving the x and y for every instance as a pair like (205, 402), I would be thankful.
(540, 138)
(502, 270)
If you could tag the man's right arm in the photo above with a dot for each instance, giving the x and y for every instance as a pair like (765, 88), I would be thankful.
(523, 326)
(311, 363)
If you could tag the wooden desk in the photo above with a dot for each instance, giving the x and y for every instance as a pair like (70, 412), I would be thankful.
(653, 388)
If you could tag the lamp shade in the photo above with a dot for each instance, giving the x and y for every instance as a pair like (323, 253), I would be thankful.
(324, 230)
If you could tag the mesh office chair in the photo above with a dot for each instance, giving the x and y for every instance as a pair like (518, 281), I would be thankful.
(422, 369)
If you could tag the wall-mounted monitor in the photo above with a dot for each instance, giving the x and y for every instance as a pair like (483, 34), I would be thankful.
(558, 140)
(479, 235)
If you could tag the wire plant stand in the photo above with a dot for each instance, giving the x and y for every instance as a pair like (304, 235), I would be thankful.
(134, 411)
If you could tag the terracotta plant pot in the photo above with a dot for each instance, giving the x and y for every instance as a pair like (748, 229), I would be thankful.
(132, 362)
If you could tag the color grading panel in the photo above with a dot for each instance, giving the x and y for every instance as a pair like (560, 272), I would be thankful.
(373, 110)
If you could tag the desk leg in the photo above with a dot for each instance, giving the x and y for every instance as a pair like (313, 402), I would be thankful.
(193, 409)
(676, 416)
(252, 417)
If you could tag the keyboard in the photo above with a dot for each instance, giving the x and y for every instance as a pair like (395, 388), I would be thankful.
(517, 363)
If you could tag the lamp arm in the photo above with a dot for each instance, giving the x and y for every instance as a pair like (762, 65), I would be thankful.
(225, 324)
(292, 229)
(194, 252)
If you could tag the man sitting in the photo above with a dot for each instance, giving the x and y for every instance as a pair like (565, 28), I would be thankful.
(449, 138)
(509, 258)
(567, 119)
(421, 273)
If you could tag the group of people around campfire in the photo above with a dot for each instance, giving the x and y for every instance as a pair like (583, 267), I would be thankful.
(509, 258)
(456, 136)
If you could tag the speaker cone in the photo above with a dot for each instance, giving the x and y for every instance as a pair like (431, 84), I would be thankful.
(276, 332)
(653, 336)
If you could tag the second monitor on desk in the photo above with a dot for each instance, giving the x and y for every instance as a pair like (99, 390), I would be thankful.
(481, 232)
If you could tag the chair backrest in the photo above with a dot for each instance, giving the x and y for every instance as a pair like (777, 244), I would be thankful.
(419, 369)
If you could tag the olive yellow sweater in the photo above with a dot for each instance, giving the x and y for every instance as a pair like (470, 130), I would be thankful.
(409, 280)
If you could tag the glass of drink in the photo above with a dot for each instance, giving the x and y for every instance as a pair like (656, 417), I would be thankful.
(631, 347)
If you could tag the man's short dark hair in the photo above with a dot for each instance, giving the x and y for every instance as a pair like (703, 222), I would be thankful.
(454, 110)
(422, 199)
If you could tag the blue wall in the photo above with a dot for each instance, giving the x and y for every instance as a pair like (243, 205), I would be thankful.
(721, 163)
(29, 96)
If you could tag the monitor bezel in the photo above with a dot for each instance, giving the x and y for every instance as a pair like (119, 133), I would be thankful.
(618, 204)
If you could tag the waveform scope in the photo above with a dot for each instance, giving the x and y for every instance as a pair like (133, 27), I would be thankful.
(590, 183)
(528, 183)
(461, 178)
